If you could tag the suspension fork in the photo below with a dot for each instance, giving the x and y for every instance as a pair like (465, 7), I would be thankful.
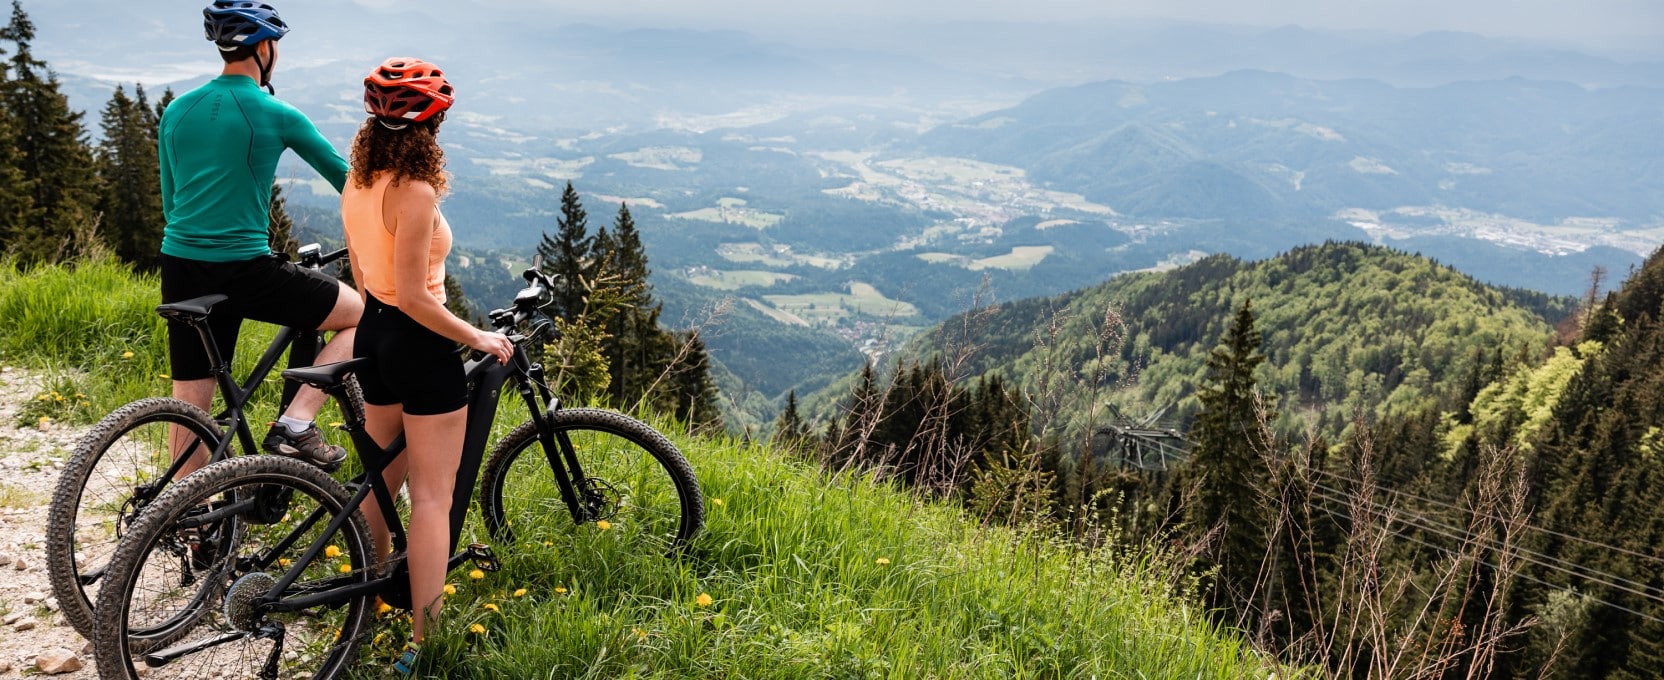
(557, 446)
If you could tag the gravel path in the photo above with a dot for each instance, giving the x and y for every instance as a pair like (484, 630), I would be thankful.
(30, 627)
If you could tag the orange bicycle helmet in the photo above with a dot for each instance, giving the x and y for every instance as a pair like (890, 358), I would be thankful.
(408, 89)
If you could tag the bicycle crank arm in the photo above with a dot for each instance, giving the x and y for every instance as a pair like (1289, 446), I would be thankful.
(172, 654)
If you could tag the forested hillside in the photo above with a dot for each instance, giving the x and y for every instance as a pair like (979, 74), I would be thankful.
(1348, 328)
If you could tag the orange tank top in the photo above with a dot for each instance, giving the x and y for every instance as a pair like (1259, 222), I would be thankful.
(370, 244)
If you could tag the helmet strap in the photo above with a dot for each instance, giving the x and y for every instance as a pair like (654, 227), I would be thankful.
(265, 73)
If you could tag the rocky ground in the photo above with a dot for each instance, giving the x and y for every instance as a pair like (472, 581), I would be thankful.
(34, 638)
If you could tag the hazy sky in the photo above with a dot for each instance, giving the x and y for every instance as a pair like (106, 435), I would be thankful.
(1580, 19)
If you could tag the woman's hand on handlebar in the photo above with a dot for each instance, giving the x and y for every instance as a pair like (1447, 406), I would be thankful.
(494, 344)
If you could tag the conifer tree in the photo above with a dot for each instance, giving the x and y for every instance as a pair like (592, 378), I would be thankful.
(1225, 458)
(280, 228)
(567, 256)
(51, 151)
(790, 432)
(130, 207)
(692, 395)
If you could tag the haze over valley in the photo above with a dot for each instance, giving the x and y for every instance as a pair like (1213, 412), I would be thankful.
(845, 181)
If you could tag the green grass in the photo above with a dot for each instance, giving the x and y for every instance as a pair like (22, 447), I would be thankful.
(810, 577)
(796, 575)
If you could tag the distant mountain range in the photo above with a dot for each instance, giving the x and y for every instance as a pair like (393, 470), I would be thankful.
(1254, 144)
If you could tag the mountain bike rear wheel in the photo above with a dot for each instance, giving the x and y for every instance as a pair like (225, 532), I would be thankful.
(156, 613)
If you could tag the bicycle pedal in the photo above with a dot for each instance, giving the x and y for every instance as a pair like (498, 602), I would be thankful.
(483, 557)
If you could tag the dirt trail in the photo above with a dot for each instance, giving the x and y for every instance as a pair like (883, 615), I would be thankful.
(30, 458)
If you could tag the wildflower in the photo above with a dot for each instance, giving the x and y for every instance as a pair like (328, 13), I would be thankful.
(383, 608)
(332, 552)
(559, 590)
(476, 574)
(477, 629)
(882, 560)
(127, 355)
(78, 395)
(346, 569)
(641, 634)
(704, 600)
(717, 502)
(520, 593)
(283, 561)
(603, 525)
(450, 589)
(491, 607)
(44, 421)
(548, 544)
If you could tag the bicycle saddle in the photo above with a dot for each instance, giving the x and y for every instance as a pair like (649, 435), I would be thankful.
(194, 309)
(327, 376)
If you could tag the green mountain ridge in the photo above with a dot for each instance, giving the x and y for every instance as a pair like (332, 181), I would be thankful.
(1347, 327)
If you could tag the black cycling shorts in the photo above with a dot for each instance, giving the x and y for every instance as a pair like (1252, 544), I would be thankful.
(266, 289)
(414, 367)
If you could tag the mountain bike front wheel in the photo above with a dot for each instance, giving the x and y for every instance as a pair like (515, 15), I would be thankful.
(629, 476)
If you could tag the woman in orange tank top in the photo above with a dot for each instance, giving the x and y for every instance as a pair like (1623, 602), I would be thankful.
(398, 240)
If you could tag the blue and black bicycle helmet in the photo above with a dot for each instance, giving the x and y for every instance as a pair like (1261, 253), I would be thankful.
(234, 23)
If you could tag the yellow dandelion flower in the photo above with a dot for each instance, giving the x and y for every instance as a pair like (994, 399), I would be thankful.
(332, 552)
(477, 629)
(491, 607)
(44, 397)
(78, 395)
(285, 517)
(520, 593)
(450, 589)
(603, 525)
(548, 544)
(476, 574)
(283, 561)
(882, 560)
(716, 502)
(127, 355)
(704, 600)
(383, 608)
(346, 569)
(44, 421)
(559, 590)
(640, 633)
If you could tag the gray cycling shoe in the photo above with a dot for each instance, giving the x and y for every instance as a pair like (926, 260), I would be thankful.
(308, 446)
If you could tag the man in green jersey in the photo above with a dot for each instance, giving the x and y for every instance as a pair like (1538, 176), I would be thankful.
(219, 145)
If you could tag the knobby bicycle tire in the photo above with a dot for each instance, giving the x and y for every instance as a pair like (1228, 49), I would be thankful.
(139, 596)
(73, 565)
(114, 472)
(654, 498)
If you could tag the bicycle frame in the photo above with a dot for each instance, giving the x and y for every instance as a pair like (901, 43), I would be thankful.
(486, 379)
(302, 345)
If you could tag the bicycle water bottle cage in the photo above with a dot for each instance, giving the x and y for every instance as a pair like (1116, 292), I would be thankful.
(192, 311)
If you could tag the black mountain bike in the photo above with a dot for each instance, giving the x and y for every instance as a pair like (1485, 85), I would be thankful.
(125, 461)
(263, 566)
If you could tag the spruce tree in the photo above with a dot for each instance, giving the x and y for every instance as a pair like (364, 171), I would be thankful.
(691, 391)
(790, 432)
(567, 256)
(280, 228)
(1225, 458)
(51, 151)
(131, 205)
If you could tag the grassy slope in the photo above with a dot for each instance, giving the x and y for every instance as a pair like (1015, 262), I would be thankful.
(805, 576)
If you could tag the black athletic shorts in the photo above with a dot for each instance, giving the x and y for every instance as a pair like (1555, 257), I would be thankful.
(414, 366)
(264, 289)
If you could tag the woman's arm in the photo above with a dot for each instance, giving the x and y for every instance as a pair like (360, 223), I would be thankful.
(413, 209)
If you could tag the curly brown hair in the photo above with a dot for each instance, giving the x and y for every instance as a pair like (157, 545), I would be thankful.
(410, 153)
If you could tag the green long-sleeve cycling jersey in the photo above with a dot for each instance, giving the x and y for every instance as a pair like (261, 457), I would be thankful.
(219, 145)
